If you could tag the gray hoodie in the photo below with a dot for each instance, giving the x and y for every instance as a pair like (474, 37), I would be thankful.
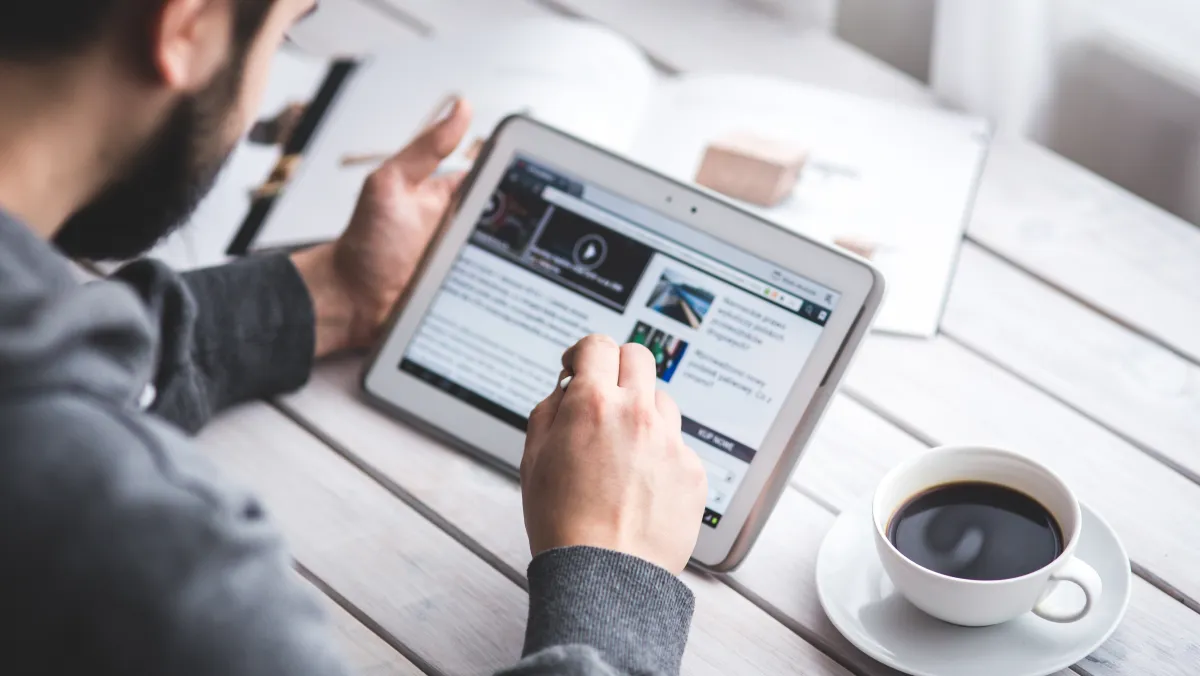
(124, 552)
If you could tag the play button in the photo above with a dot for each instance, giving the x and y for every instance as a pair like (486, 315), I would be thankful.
(590, 251)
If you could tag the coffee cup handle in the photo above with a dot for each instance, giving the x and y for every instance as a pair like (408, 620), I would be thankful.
(1083, 576)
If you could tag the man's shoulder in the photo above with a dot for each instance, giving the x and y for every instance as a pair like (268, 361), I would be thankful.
(71, 460)
(74, 451)
(94, 337)
(115, 527)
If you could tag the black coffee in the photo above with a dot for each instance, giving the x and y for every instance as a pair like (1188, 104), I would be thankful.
(976, 531)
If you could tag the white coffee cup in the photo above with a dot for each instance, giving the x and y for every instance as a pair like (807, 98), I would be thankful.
(978, 603)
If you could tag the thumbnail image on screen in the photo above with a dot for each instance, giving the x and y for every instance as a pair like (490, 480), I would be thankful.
(680, 300)
(667, 349)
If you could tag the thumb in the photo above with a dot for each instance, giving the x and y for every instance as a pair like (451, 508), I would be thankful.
(421, 157)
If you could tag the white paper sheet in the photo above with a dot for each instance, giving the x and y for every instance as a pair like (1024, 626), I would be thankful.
(898, 176)
(580, 77)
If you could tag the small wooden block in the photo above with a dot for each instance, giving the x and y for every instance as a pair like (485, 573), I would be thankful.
(752, 168)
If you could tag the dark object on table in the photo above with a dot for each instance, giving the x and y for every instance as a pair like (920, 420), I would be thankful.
(279, 129)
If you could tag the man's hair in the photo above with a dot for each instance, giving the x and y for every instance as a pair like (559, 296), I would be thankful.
(43, 30)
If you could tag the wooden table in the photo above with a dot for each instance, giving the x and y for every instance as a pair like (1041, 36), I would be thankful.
(1072, 334)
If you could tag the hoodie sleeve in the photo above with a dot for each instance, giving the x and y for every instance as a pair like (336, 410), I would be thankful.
(227, 334)
(595, 612)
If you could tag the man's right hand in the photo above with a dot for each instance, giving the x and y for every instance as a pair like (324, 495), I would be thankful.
(605, 464)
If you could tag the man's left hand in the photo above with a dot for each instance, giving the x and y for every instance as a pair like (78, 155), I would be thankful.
(356, 280)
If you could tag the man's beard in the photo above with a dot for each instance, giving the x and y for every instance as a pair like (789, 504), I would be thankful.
(163, 183)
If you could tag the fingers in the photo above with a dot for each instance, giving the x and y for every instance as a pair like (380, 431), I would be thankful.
(638, 370)
(439, 112)
(668, 409)
(421, 157)
(595, 359)
(446, 184)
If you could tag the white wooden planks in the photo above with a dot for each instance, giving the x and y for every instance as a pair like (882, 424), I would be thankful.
(780, 573)
(729, 634)
(424, 588)
(366, 653)
(1116, 376)
(850, 452)
(1094, 240)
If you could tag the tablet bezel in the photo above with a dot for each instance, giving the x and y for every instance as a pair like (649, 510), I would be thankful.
(860, 285)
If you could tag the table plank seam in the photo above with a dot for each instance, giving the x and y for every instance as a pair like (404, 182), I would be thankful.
(409, 575)
(1110, 316)
(1138, 570)
(887, 416)
(812, 495)
(410, 500)
(1157, 455)
(1164, 586)
(811, 637)
(367, 621)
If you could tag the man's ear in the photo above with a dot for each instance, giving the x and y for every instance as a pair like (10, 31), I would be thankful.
(191, 41)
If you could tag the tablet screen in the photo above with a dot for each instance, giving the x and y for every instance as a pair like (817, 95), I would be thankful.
(553, 259)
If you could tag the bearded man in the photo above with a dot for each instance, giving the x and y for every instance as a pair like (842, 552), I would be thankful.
(124, 551)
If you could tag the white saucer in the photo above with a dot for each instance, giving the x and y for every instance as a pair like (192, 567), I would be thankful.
(861, 602)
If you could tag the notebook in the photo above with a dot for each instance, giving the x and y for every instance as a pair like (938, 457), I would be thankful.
(892, 182)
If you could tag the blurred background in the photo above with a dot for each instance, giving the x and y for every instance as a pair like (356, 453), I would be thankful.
(1114, 85)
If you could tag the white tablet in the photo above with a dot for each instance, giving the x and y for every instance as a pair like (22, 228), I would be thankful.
(552, 239)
